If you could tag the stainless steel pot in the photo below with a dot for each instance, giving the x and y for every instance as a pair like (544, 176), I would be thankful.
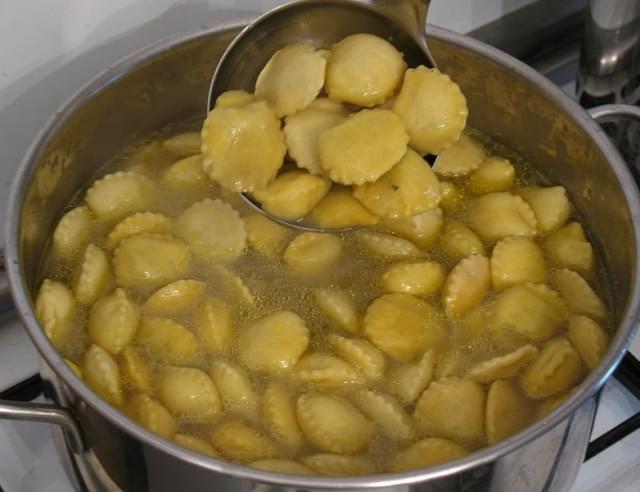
(169, 82)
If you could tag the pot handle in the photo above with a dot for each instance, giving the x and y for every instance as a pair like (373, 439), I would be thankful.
(609, 111)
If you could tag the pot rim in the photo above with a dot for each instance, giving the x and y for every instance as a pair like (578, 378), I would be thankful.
(24, 307)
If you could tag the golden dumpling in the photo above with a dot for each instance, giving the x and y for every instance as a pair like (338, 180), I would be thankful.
(427, 452)
(421, 229)
(312, 253)
(497, 215)
(113, 322)
(551, 206)
(190, 393)
(339, 209)
(55, 309)
(461, 158)
(569, 247)
(494, 174)
(466, 285)
(508, 411)
(516, 260)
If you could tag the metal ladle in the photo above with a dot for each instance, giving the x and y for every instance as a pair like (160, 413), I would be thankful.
(320, 23)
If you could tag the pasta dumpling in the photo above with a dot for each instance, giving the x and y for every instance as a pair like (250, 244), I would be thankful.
(451, 196)
(332, 423)
(213, 229)
(195, 444)
(167, 340)
(460, 159)
(508, 411)
(579, 295)
(213, 325)
(235, 388)
(135, 369)
(186, 174)
(387, 413)
(556, 369)
(55, 309)
(363, 147)
(403, 326)
(504, 366)
(291, 79)
(550, 204)
(410, 187)
(408, 381)
(589, 339)
(339, 209)
(433, 123)
(497, 215)
(311, 253)
(494, 174)
(327, 372)
(113, 322)
(141, 260)
(242, 147)
(417, 278)
(72, 232)
(388, 246)
(338, 465)
(421, 229)
(279, 415)
(516, 260)
(427, 452)
(292, 195)
(152, 415)
(102, 374)
(532, 311)
(363, 69)
(136, 224)
(339, 308)
(234, 99)
(302, 130)
(568, 247)
(466, 285)
(231, 286)
(95, 277)
(183, 144)
(264, 235)
(440, 411)
(459, 241)
(119, 194)
(188, 392)
(241, 442)
(273, 343)
(174, 298)
(368, 359)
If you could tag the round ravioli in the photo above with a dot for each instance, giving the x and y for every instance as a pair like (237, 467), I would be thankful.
(338, 465)
(589, 338)
(461, 159)
(339, 209)
(504, 366)
(403, 326)
(327, 372)
(95, 277)
(363, 69)
(387, 414)
(459, 241)
(508, 411)
(532, 311)
(466, 285)
(273, 343)
(243, 147)
(516, 260)
(291, 79)
(551, 206)
(556, 369)
(136, 372)
(152, 415)
(498, 215)
(453, 409)
(279, 415)
(408, 381)
(417, 278)
(235, 388)
(427, 452)
(183, 144)
(195, 444)
(186, 174)
(433, 109)
(579, 295)
(55, 309)
(136, 224)
(119, 194)
(292, 194)
(410, 187)
(113, 322)
(72, 232)
(282, 466)
(422, 229)
(332, 423)
(264, 235)
(150, 260)
(241, 442)
(188, 392)
(302, 130)
(101, 372)
(174, 298)
(361, 354)
(213, 325)
(494, 174)
(167, 340)
(388, 247)
(339, 308)
(568, 247)
(213, 229)
(311, 253)
(230, 286)
(363, 147)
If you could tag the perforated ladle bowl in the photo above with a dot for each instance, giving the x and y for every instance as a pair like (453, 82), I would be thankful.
(320, 23)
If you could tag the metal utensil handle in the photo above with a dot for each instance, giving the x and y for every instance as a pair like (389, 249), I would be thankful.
(47, 414)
